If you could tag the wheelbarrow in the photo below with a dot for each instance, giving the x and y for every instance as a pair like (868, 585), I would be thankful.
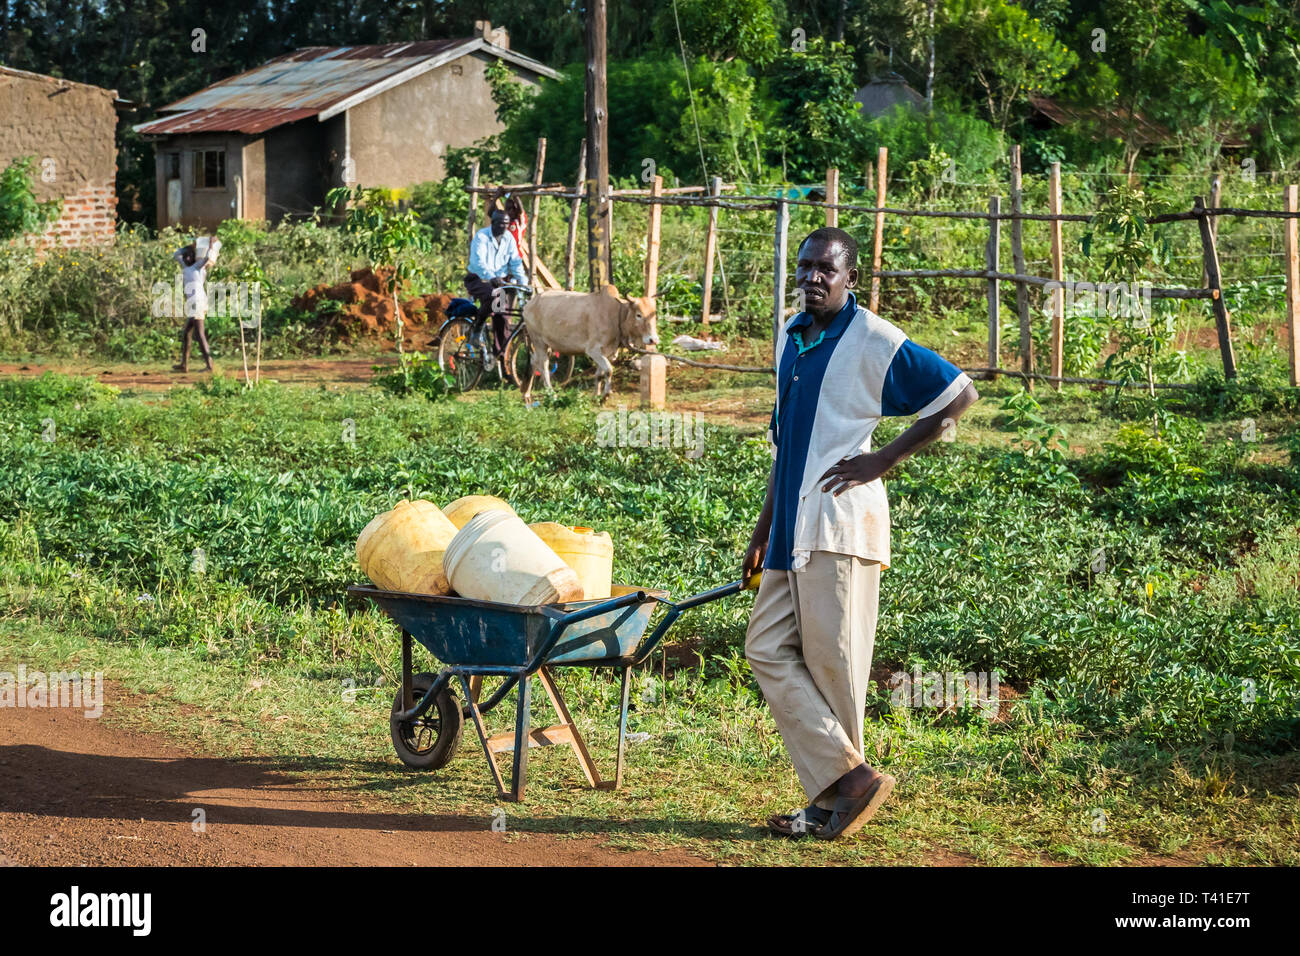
(477, 639)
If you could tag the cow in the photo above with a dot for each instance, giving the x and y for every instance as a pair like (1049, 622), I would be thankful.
(596, 324)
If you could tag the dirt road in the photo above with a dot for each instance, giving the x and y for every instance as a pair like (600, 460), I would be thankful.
(343, 371)
(76, 791)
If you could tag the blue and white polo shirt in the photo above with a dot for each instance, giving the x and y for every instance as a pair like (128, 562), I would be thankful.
(831, 395)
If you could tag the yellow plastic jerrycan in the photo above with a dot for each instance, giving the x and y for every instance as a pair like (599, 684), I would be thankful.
(462, 509)
(402, 549)
(588, 553)
(496, 557)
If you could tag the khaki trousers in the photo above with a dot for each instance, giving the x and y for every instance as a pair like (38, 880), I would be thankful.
(809, 644)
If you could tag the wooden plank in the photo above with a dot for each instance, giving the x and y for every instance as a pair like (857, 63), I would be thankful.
(991, 258)
(832, 195)
(1018, 262)
(539, 737)
(575, 207)
(877, 243)
(575, 738)
(473, 199)
(1291, 197)
(546, 278)
(652, 240)
(1222, 321)
(1058, 275)
(538, 165)
(710, 247)
(778, 271)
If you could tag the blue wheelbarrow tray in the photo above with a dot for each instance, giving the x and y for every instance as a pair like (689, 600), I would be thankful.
(474, 639)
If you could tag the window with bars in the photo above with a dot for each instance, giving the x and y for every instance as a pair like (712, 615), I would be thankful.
(209, 168)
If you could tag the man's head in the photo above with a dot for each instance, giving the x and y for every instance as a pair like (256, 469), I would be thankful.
(189, 254)
(827, 267)
(499, 222)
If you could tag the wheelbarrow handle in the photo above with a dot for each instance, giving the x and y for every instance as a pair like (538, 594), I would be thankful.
(704, 597)
(675, 609)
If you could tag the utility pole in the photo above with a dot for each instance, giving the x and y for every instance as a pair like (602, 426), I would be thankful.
(597, 149)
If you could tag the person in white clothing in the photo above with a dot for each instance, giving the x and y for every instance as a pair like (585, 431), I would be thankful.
(195, 274)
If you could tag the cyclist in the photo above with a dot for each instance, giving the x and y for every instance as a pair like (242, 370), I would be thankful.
(493, 259)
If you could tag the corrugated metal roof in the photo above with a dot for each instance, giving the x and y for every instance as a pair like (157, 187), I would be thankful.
(223, 121)
(885, 92)
(420, 48)
(311, 81)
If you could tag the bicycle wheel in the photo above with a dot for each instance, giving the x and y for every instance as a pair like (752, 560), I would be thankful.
(519, 361)
(460, 354)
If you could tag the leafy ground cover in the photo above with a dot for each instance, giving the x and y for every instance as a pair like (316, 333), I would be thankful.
(1138, 599)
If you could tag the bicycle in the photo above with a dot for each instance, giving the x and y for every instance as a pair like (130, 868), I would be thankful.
(466, 346)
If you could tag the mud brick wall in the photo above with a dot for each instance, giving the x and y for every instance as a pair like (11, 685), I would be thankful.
(69, 129)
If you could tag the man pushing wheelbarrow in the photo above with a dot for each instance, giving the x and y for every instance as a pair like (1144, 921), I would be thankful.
(822, 537)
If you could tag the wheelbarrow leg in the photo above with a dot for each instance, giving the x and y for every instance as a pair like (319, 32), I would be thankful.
(477, 717)
(567, 729)
(408, 693)
(519, 776)
(622, 728)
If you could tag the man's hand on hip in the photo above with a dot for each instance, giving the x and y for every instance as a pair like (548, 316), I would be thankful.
(850, 472)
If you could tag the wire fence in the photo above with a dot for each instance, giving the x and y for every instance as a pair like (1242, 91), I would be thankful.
(728, 248)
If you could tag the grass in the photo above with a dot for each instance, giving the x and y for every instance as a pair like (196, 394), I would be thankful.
(1130, 739)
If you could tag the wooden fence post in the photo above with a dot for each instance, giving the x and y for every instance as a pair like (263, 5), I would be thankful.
(473, 199)
(538, 166)
(991, 259)
(652, 240)
(1018, 262)
(778, 271)
(1216, 184)
(575, 207)
(1210, 256)
(877, 245)
(832, 195)
(1058, 274)
(710, 247)
(1292, 205)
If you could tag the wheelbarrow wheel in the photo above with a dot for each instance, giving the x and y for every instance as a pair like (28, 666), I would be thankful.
(429, 741)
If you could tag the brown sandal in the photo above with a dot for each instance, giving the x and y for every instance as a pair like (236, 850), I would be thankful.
(851, 813)
(784, 824)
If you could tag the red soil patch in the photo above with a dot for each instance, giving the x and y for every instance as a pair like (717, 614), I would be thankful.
(368, 311)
